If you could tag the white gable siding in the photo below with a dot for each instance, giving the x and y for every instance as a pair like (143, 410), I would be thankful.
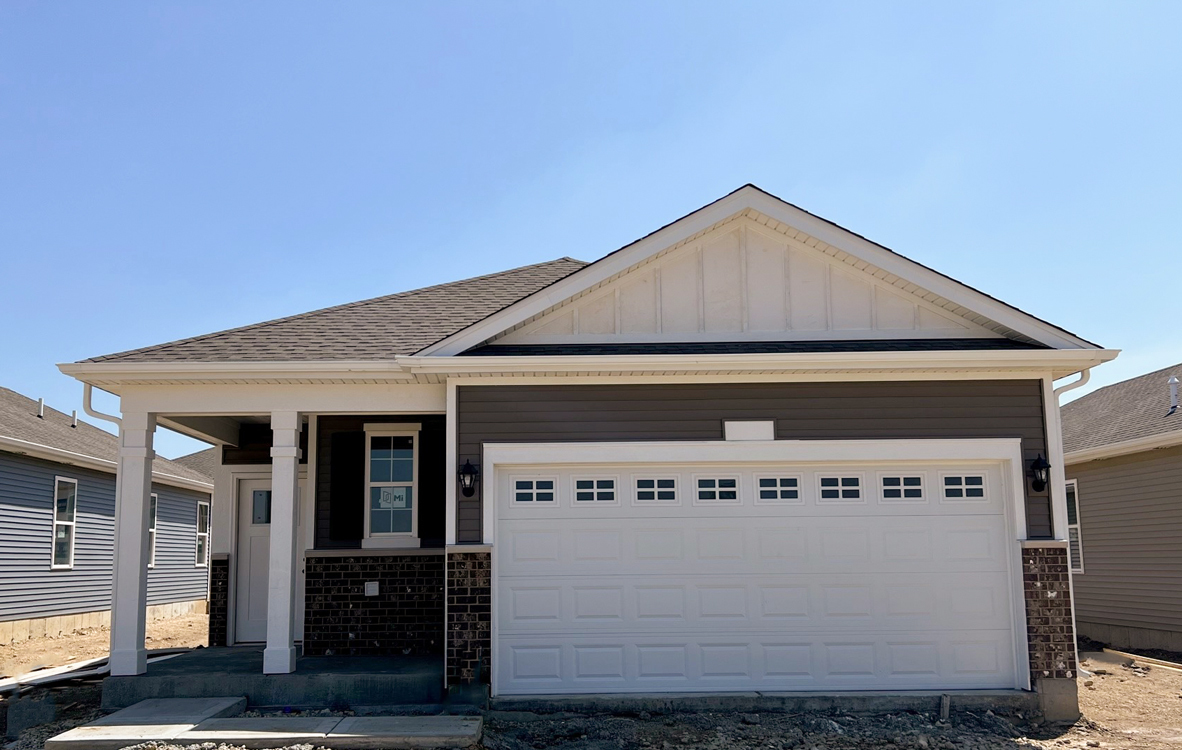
(743, 282)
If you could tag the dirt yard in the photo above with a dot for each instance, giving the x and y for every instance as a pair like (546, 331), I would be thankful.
(1126, 707)
(37, 653)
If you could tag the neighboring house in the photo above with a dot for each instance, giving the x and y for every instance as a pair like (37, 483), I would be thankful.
(57, 525)
(750, 451)
(1123, 449)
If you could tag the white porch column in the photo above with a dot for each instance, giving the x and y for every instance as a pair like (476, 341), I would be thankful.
(280, 655)
(129, 590)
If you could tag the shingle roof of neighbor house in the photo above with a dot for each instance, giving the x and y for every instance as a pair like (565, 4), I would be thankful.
(373, 329)
(202, 461)
(1123, 411)
(19, 421)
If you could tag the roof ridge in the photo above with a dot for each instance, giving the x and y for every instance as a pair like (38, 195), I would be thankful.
(330, 308)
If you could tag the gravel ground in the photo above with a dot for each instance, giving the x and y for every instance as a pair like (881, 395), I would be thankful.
(1126, 707)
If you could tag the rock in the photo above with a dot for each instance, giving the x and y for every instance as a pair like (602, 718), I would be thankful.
(1088, 683)
(749, 718)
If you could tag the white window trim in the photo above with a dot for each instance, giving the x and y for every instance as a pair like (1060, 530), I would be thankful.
(56, 523)
(636, 490)
(694, 490)
(777, 500)
(154, 499)
(1074, 485)
(534, 479)
(965, 474)
(863, 490)
(617, 490)
(902, 473)
(399, 538)
(198, 533)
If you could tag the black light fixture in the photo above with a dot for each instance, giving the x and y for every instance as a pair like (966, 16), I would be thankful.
(468, 476)
(1040, 472)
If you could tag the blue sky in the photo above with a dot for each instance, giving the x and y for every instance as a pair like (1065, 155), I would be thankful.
(171, 169)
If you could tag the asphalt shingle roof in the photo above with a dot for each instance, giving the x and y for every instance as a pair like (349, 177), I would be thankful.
(373, 329)
(202, 462)
(1127, 410)
(19, 420)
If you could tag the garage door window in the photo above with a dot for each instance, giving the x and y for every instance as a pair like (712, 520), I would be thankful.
(902, 488)
(964, 487)
(656, 490)
(595, 490)
(722, 490)
(778, 489)
(841, 489)
(533, 490)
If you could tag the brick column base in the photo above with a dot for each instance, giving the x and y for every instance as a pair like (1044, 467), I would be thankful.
(1046, 583)
(469, 616)
(219, 599)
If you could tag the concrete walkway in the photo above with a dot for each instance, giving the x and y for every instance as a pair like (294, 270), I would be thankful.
(195, 720)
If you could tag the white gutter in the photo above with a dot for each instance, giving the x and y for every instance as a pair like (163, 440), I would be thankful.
(1084, 377)
(1125, 447)
(87, 389)
(59, 455)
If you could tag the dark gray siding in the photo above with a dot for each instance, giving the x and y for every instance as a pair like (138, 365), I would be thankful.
(938, 409)
(29, 589)
(1130, 514)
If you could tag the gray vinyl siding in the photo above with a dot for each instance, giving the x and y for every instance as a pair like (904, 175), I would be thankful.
(935, 409)
(29, 589)
(1130, 514)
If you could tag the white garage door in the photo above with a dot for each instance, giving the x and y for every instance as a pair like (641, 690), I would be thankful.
(736, 576)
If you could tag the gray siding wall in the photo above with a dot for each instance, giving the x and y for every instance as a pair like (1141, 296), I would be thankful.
(29, 589)
(937, 409)
(1130, 514)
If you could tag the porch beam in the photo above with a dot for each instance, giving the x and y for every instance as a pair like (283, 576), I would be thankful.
(129, 590)
(279, 657)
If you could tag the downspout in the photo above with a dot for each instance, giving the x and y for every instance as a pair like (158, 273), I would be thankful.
(1084, 377)
(87, 389)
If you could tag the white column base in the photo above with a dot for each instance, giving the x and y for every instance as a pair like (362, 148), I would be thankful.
(129, 662)
(279, 660)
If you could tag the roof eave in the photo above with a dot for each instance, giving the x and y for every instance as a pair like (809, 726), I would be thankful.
(1124, 447)
(62, 456)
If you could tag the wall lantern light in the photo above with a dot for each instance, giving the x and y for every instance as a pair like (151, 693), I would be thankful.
(1040, 472)
(468, 476)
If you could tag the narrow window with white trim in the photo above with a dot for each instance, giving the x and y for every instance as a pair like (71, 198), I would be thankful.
(201, 555)
(152, 531)
(1074, 540)
(65, 508)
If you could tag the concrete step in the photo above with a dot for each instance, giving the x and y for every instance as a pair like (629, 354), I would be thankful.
(352, 733)
(154, 719)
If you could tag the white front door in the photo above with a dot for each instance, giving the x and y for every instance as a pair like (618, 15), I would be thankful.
(254, 552)
(635, 577)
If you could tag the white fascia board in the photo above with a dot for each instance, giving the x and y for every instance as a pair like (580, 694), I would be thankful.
(110, 373)
(1063, 361)
(754, 198)
(58, 455)
(1124, 448)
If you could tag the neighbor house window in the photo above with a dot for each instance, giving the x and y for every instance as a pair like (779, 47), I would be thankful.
(65, 508)
(1074, 541)
(391, 482)
(201, 558)
(152, 532)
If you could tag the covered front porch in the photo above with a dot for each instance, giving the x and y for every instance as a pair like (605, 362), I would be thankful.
(360, 683)
(328, 540)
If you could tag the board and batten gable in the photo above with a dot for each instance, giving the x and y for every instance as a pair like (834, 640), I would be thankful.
(745, 281)
(30, 589)
(802, 411)
(1130, 514)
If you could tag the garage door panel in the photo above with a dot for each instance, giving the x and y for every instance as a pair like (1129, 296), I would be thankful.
(644, 604)
(763, 545)
(714, 581)
(755, 661)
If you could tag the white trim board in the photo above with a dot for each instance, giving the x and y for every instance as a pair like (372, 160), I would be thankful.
(747, 198)
(1124, 448)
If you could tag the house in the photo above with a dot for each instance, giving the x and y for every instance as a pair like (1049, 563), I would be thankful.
(749, 451)
(1123, 447)
(57, 526)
